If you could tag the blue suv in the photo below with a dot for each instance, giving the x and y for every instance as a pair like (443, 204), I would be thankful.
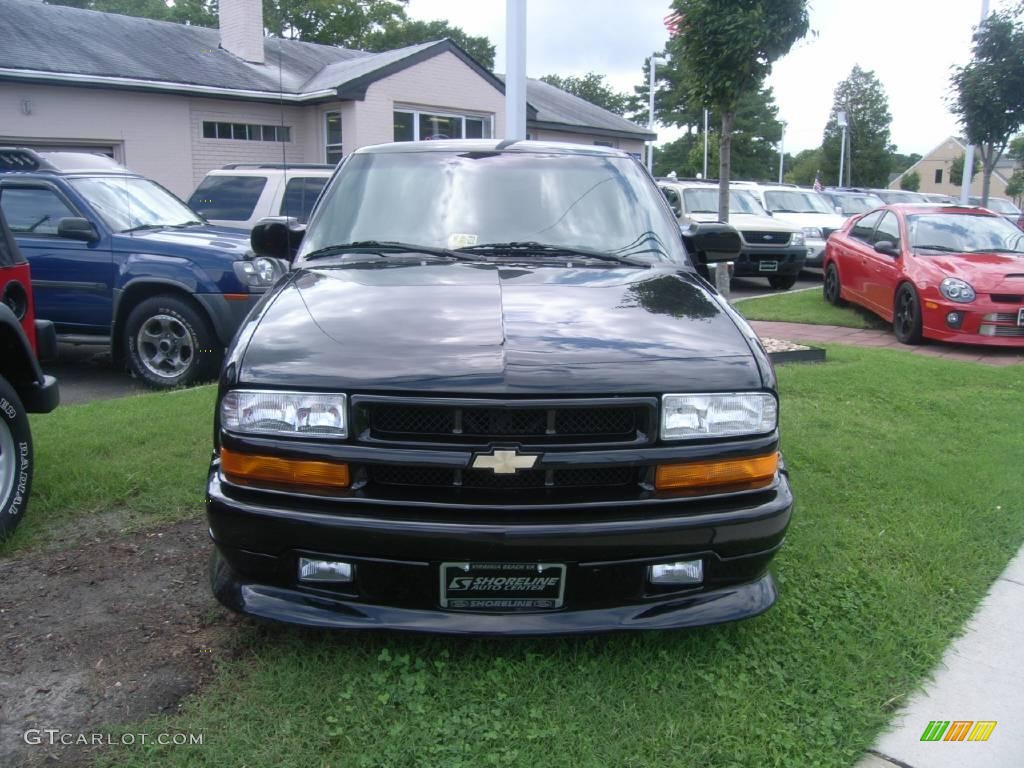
(118, 259)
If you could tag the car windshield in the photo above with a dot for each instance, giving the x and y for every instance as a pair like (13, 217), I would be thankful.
(997, 205)
(902, 197)
(706, 201)
(854, 204)
(129, 202)
(795, 201)
(964, 233)
(456, 199)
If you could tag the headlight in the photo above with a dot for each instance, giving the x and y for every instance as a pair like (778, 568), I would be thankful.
(813, 233)
(300, 414)
(259, 273)
(797, 238)
(720, 415)
(956, 290)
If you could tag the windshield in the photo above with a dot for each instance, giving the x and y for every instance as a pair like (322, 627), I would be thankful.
(706, 201)
(902, 197)
(964, 233)
(997, 205)
(796, 201)
(854, 204)
(128, 202)
(460, 199)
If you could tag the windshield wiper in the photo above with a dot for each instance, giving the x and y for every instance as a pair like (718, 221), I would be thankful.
(995, 250)
(545, 249)
(141, 227)
(941, 248)
(382, 248)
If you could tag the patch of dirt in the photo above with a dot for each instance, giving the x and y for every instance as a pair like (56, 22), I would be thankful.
(109, 632)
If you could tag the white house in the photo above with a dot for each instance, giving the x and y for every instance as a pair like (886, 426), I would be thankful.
(172, 101)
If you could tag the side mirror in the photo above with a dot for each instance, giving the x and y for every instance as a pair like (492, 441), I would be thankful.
(277, 237)
(711, 242)
(74, 228)
(888, 247)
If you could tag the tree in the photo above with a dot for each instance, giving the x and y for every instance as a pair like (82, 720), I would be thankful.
(989, 91)
(725, 49)
(679, 156)
(804, 167)
(1015, 184)
(411, 32)
(898, 163)
(911, 181)
(593, 88)
(956, 169)
(201, 13)
(868, 153)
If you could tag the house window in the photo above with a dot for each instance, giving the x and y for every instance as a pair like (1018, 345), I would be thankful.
(938, 175)
(332, 133)
(246, 131)
(413, 125)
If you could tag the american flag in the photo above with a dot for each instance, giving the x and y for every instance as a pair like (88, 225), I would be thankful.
(817, 182)
(672, 23)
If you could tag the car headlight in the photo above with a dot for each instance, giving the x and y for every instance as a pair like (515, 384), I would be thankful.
(957, 290)
(298, 414)
(260, 272)
(813, 233)
(718, 415)
(797, 239)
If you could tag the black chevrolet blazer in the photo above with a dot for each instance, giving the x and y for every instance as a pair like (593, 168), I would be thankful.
(493, 396)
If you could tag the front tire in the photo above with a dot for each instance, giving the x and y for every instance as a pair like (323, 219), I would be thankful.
(16, 460)
(906, 316)
(782, 282)
(831, 288)
(169, 343)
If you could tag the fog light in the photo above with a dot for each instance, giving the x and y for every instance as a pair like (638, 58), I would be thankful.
(955, 319)
(324, 570)
(683, 572)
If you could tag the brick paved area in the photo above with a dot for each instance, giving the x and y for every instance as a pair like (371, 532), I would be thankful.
(832, 334)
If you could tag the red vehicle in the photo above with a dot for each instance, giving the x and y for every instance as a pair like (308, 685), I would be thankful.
(24, 388)
(937, 272)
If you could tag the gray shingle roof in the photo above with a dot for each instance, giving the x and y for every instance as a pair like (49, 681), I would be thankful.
(60, 40)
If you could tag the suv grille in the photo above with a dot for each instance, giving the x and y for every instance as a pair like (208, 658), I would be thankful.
(468, 422)
(766, 238)
(485, 479)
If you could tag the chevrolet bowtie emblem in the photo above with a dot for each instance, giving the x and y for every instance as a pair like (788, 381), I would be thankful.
(503, 462)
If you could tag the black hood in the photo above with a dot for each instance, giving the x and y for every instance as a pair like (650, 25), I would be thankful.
(490, 329)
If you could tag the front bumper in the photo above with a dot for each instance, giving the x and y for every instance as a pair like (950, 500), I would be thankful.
(397, 549)
(985, 322)
(815, 253)
(789, 261)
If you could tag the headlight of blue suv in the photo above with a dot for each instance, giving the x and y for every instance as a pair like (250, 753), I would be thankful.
(727, 414)
(296, 414)
(797, 239)
(258, 273)
(813, 233)
(957, 290)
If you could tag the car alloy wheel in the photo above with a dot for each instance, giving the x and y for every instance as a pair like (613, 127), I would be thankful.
(166, 347)
(906, 320)
(831, 288)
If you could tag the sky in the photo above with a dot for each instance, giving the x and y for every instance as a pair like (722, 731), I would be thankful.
(910, 44)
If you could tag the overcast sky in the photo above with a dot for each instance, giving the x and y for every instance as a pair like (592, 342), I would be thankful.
(910, 45)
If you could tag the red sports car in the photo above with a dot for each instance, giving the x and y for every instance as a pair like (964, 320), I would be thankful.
(938, 272)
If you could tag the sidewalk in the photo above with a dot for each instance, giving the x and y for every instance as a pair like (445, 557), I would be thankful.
(833, 334)
(981, 677)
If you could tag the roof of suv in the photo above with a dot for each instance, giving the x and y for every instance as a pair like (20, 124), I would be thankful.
(492, 145)
(23, 160)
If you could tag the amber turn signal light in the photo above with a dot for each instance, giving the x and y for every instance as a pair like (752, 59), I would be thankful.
(739, 474)
(250, 468)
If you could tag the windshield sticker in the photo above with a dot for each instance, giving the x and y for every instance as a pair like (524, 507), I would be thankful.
(461, 240)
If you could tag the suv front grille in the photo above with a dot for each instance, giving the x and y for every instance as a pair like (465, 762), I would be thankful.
(467, 421)
(485, 479)
(766, 238)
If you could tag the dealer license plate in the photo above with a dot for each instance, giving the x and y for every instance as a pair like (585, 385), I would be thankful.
(502, 587)
(768, 266)
(1020, 317)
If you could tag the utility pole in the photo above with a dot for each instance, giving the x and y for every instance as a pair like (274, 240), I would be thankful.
(965, 179)
(655, 60)
(782, 141)
(705, 144)
(841, 120)
(515, 69)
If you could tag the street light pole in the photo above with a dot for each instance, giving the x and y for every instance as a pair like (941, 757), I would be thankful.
(782, 141)
(841, 119)
(515, 69)
(705, 143)
(650, 112)
(965, 177)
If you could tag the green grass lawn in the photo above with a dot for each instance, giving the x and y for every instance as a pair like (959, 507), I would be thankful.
(116, 464)
(807, 307)
(907, 475)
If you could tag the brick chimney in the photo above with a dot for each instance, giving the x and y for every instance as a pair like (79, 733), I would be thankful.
(241, 29)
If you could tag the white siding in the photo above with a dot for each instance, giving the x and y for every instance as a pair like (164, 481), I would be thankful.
(626, 145)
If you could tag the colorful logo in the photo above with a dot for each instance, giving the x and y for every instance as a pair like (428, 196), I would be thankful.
(958, 730)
